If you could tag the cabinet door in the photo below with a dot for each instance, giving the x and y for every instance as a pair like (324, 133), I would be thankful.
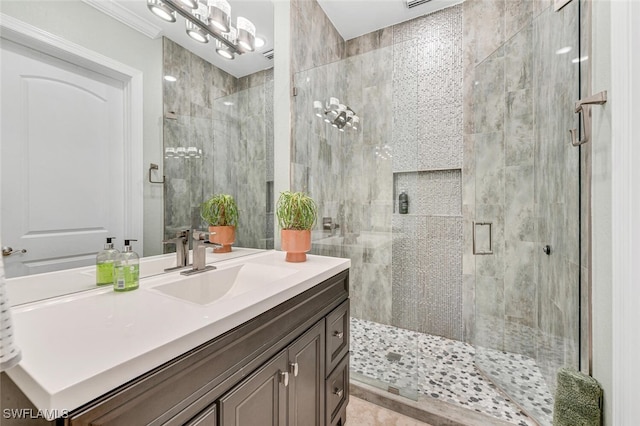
(306, 388)
(261, 399)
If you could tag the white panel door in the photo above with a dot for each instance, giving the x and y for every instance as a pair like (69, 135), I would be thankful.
(61, 152)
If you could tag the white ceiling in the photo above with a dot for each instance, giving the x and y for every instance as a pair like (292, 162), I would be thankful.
(352, 18)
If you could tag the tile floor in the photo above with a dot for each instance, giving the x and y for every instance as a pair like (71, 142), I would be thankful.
(437, 367)
(363, 413)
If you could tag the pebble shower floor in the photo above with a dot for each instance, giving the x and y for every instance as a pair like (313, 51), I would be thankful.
(444, 369)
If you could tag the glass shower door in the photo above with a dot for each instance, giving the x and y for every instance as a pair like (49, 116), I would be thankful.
(527, 186)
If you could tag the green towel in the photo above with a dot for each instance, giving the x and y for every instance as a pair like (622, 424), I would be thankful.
(578, 400)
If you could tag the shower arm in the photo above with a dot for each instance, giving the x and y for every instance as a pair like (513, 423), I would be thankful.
(583, 106)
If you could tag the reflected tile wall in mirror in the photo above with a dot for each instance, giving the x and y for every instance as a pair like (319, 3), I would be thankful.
(229, 123)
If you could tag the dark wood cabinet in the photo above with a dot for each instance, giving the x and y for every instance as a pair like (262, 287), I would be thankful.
(287, 366)
(337, 335)
(337, 392)
(261, 399)
(295, 379)
(307, 369)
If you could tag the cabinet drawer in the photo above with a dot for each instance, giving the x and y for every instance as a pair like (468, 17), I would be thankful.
(337, 338)
(337, 390)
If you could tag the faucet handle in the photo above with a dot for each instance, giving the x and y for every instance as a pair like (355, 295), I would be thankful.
(199, 235)
(179, 236)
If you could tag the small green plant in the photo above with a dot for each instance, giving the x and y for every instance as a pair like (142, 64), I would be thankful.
(220, 210)
(296, 211)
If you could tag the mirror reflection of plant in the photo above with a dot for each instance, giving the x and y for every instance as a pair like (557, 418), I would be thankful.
(296, 211)
(220, 210)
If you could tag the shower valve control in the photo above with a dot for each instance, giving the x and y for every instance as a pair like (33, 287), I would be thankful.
(547, 250)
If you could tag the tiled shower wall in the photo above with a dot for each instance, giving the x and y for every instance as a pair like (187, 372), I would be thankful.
(521, 173)
(231, 121)
(405, 84)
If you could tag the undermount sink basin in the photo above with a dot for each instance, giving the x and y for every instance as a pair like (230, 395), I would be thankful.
(223, 283)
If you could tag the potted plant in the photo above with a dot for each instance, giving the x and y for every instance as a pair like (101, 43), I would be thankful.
(221, 213)
(297, 214)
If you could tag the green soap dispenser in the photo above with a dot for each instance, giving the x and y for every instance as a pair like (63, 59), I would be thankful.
(104, 263)
(127, 269)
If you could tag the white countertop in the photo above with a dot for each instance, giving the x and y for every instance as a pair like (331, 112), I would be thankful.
(78, 347)
(30, 288)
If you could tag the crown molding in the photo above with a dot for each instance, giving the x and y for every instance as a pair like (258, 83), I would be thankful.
(124, 15)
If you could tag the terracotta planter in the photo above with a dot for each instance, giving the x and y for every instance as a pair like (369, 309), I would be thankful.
(296, 244)
(224, 235)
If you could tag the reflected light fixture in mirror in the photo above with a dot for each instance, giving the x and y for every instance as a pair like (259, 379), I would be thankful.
(210, 18)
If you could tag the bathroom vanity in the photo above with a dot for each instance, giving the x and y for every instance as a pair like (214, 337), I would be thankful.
(273, 352)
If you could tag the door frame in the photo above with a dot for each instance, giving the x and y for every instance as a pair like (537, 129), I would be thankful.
(625, 208)
(19, 32)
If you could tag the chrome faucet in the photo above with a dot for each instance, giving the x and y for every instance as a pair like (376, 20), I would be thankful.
(201, 241)
(182, 249)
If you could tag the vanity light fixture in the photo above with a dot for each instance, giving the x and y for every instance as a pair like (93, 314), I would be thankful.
(207, 19)
(223, 51)
(220, 15)
(191, 4)
(338, 115)
(246, 34)
(161, 10)
(196, 33)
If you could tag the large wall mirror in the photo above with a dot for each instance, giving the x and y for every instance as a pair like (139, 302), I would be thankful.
(209, 130)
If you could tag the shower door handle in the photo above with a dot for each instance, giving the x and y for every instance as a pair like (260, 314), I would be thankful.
(582, 106)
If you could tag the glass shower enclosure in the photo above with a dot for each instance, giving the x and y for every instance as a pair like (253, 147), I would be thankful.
(480, 277)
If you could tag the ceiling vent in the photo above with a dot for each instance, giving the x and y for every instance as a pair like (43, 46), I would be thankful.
(413, 3)
(268, 54)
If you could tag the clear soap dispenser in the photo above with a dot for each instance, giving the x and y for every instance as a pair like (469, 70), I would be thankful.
(127, 269)
(104, 263)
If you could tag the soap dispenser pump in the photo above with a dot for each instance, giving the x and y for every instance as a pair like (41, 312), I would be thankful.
(127, 269)
(105, 262)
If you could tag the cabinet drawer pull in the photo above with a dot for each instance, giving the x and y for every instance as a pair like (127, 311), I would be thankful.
(338, 334)
(284, 378)
(293, 369)
(338, 392)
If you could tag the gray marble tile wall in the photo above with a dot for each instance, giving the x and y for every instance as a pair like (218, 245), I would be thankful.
(405, 84)
(231, 121)
(521, 173)
(315, 41)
